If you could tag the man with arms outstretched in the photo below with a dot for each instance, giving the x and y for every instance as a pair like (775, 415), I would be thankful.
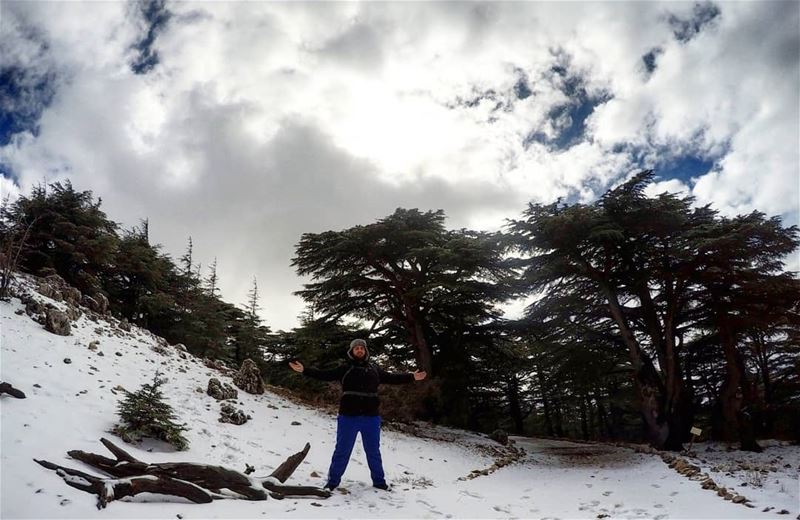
(358, 409)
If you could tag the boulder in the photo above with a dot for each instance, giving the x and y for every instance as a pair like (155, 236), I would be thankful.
(45, 289)
(500, 436)
(248, 378)
(32, 307)
(71, 294)
(229, 414)
(57, 322)
(56, 281)
(73, 313)
(125, 325)
(221, 391)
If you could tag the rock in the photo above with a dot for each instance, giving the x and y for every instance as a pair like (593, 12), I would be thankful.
(67, 360)
(738, 499)
(89, 302)
(783, 512)
(722, 491)
(19, 312)
(221, 391)
(97, 303)
(94, 345)
(229, 414)
(180, 347)
(216, 364)
(73, 313)
(118, 353)
(57, 322)
(500, 436)
(45, 289)
(71, 294)
(295, 423)
(249, 378)
(125, 325)
(315, 474)
(33, 307)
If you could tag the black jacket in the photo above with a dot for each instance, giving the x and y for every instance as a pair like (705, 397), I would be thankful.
(360, 380)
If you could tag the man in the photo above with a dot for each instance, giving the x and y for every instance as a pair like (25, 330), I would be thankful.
(358, 409)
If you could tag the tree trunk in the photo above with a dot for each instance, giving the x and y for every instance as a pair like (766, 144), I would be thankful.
(548, 423)
(416, 334)
(736, 395)
(645, 378)
(603, 427)
(515, 409)
(584, 420)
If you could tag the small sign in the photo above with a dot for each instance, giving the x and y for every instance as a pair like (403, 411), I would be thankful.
(695, 431)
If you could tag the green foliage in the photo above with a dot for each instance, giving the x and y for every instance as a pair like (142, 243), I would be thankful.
(144, 413)
(66, 232)
(407, 276)
(646, 278)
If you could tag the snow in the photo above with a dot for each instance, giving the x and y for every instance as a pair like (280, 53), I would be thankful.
(75, 405)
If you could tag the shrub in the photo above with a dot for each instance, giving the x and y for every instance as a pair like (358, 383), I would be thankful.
(144, 413)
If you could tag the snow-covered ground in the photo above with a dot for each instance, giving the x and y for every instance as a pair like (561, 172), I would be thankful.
(72, 405)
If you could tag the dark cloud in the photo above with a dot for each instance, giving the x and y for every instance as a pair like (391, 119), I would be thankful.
(703, 14)
(649, 61)
(155, 16)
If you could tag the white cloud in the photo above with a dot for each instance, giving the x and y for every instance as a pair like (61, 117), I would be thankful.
(266, 120)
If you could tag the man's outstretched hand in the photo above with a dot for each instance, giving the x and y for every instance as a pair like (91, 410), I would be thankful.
(296, 366)
(419, 375)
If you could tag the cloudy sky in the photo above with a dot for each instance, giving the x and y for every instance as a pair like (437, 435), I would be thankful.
(246, 124)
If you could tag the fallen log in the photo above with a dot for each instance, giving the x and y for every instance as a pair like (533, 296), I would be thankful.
(6, 388)
(200, 483)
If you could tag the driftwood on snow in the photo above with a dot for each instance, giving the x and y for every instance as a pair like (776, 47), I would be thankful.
(200, 483)
(6, 388)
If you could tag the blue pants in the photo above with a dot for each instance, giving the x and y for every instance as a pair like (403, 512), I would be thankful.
(348, 426)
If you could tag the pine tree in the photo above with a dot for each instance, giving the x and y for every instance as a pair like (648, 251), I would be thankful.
(252, 302)
(144, 413)
(212, 280)
(186, 259)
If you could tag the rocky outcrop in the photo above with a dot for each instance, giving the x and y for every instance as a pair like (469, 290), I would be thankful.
(229, 414)
(221, 391)
(57, 322)
(248, 378)
(97, 303)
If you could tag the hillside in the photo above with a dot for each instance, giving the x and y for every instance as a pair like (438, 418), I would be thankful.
(72, 394)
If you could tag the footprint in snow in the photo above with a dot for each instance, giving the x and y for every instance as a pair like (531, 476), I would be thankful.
(471, 494)
(430, 507)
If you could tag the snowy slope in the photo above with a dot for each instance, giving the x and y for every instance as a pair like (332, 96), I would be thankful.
(71, 405)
